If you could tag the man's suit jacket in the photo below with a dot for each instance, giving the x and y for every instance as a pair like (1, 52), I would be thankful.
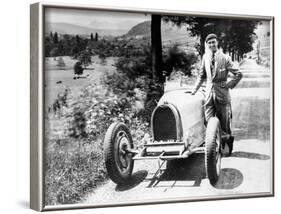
(217, 85)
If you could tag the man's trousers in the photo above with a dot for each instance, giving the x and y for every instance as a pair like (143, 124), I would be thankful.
(221, 111)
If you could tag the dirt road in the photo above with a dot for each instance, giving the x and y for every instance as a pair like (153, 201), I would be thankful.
(246, 171)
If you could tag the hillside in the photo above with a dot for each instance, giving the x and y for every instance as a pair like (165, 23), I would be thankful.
(141, 29)
(170, 32)
(65, 28)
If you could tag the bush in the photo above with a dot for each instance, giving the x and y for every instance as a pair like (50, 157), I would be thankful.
(78, 68)
(74, 134)
(60, 102)
(134, 74)
(85, 58)
(102, 57)
(176, 59)
(134, 67)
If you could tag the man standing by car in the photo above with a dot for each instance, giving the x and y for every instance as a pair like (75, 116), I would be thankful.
(215, 68)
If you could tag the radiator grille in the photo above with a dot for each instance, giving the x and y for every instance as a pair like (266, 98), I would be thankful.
(164, 124)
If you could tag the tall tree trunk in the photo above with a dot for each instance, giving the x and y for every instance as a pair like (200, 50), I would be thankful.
(156, 47)
(229, 51)
(239, 56)
(202, 46)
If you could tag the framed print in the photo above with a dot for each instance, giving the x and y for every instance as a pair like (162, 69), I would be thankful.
(139, 106)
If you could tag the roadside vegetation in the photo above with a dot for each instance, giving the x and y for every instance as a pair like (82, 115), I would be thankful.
(75, 126)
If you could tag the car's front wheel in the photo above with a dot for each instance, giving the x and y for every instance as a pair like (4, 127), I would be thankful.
(118, 160)
(213, 150)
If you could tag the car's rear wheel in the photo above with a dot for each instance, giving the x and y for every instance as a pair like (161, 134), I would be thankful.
(213, 150)
(118, 160)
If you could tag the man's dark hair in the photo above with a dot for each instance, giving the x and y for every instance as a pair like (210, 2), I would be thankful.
(211, 36)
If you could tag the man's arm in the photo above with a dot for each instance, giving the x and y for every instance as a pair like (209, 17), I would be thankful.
(201, 77)
(235, 71)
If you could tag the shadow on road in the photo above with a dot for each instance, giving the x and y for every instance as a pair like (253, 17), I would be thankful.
(193, 169)
(250, 155)
(81, 77)
(229, 179)
(136, 179)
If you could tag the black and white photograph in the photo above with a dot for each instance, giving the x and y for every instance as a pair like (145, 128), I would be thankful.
(151, 107)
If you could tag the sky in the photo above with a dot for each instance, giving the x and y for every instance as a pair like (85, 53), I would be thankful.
(93, 18)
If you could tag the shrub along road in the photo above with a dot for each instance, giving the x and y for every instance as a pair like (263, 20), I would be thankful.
(246, 171)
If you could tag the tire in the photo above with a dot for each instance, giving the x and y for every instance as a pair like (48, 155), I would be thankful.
(213, 150)
(119, 164)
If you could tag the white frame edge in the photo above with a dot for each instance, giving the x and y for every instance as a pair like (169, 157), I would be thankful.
(37, 102)
(36, 107)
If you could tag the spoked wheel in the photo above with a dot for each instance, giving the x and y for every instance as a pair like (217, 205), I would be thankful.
(118, 160)
(213, 150)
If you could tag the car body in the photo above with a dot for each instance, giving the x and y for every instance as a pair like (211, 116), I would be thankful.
(178, 130)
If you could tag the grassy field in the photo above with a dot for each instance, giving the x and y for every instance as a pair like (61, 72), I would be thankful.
(54, 74)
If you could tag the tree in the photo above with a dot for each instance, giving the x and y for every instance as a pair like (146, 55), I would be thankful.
(244, 36)
(236, 36)
(198, 26)
(102, 58)
(77, 38)
(65, 45)
(85, 58)
(55, 38)
(96, 37)
(48, 45)
(54, 52)
(259, 51)
(78, 70)
(179, 60)
(78, 44)
(156, 48)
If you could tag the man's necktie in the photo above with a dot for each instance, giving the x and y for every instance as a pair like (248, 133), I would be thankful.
(213, 63)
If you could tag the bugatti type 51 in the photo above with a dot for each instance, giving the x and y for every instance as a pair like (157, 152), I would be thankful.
(178, 130)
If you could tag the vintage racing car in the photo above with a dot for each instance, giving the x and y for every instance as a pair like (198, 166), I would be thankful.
(178, 130)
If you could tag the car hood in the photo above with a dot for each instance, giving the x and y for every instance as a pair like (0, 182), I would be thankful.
(190, 109)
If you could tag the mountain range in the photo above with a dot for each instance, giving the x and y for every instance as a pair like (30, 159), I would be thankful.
(66, 28)
(169, 31)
